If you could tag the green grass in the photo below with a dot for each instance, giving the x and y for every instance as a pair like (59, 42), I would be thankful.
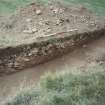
(9, 6)
(97, 6)
(65, 89)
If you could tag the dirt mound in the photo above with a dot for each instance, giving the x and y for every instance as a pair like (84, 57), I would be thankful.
(37, 20)
(38, 33)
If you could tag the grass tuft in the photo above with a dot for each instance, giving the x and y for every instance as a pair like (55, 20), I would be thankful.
(65, 89)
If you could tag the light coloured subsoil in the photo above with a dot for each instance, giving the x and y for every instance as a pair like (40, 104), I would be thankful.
(37, 20)
(88, 56)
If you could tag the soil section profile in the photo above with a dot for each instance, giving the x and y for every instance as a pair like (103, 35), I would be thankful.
(38, 33)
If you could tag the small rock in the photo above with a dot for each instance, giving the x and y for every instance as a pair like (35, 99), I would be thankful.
(34, 30)
(51, 7)
(40, 23)
(50, 46)
(28, 31)
(48, 30)
(92, 24)
(56, 10)
(72, 43)
(38, 12)
(26, 59)
(28, 20)
(61, 10)
(35, 51)
(100, 62)
(59, 21)
(16, 64)
(74, 30)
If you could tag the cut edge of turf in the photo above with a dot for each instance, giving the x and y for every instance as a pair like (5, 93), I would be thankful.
(65, 88)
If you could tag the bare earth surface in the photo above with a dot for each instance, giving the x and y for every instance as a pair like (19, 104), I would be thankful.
(37, 33)
(37, 20)
(89, 55)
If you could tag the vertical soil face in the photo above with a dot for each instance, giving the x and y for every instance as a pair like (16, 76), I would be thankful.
(90, 55)
(39, 33)
(21, 57)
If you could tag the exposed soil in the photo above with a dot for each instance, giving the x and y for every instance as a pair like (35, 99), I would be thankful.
(36, 20)
(89, 55)
(39, 33)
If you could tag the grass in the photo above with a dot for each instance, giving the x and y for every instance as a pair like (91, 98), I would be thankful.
(65, 89)
(8, 6)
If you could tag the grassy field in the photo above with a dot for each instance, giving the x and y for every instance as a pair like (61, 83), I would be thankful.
(96, 5)
(8, 6)
(65, 89)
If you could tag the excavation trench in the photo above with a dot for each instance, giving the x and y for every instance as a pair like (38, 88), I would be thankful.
(89, 55)
(59, 29)
(13, 59)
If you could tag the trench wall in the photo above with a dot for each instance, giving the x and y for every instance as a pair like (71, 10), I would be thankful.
(17, 58)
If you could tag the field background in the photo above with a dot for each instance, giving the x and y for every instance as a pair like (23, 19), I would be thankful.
(9, 6)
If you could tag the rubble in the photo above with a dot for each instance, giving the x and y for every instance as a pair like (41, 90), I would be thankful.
(38, 12)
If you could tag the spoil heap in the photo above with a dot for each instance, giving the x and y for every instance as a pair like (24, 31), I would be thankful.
(37, 33)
